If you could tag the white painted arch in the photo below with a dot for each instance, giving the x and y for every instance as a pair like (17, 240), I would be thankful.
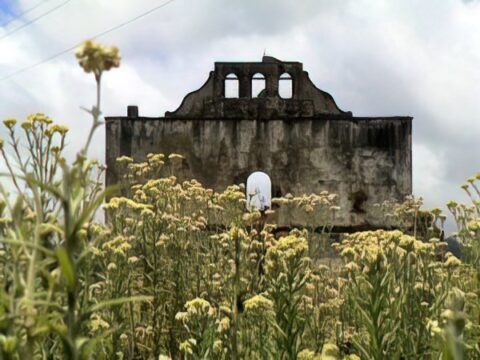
(259, 191)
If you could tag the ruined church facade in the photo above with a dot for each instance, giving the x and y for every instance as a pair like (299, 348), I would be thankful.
(302, 140)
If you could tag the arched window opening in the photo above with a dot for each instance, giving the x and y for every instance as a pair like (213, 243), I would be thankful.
(285, 86)
(231, 86)
(258, 85)
(259, 192)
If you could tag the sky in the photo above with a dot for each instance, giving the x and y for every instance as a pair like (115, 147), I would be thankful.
(376, 57)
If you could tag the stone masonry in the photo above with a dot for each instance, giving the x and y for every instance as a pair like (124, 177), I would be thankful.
(304, 143)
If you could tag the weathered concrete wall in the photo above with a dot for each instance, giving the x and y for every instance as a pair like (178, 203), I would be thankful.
(364, 160)
(305, 142)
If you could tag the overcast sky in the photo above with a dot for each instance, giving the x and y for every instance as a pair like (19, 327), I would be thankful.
(395, 57)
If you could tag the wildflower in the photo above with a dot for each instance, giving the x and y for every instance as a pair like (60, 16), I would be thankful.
(280, 201)
(8, 344)
(181, 316)
(291, 246)
(306, 354)
(26, 125)
(348, 252)
(175, 157)
(38, 118)
(474, 225)
(216, 276)
(330, 352)
(147, 213)
(56, 150)
(162, 240)
(407, 242)
(124, 160)
(452, 261)
(252, 217)
(223, 324)
(186, 347)
(61, 129)
(352, 266)
(151, 156)
(352, 357)
(259, 304)
(434, 328)
(419, 285)
(217, 346)
(97, 58)
(452, 204)
(471, 296)
(98, 323)
(9, 123)
(132, 259)
(149, 330)
(199, 305)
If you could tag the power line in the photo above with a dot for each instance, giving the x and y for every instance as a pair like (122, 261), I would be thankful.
(43, 61)
(17, 16)
(132, 19)
(34, 19)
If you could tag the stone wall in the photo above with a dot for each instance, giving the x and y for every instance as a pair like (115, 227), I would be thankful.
(304, 142)
(364, 160)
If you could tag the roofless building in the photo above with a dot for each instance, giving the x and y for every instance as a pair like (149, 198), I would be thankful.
(268, 116)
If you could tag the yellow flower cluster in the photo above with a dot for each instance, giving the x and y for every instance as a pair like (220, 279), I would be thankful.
(195, 308)
(290, 246)
(37, 118)
(119, 202)
(96, 58)
(9, 123)
(60, 129)
(118, 245)
(368, 247)
(258, 304)
(288, 254)
(324, 201)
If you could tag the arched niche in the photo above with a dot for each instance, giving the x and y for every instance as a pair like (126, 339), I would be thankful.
(259, 191)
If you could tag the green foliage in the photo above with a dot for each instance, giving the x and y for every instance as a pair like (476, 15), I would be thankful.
(287, 272)
(45, 233)
(179, 271)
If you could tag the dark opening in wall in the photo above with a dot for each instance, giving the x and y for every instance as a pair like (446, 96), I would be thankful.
(358, 200)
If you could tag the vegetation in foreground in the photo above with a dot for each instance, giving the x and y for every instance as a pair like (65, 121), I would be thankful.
(183, 272)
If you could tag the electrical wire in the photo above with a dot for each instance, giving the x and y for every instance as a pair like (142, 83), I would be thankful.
(30, 22)
(105, 32)
(18, 16)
